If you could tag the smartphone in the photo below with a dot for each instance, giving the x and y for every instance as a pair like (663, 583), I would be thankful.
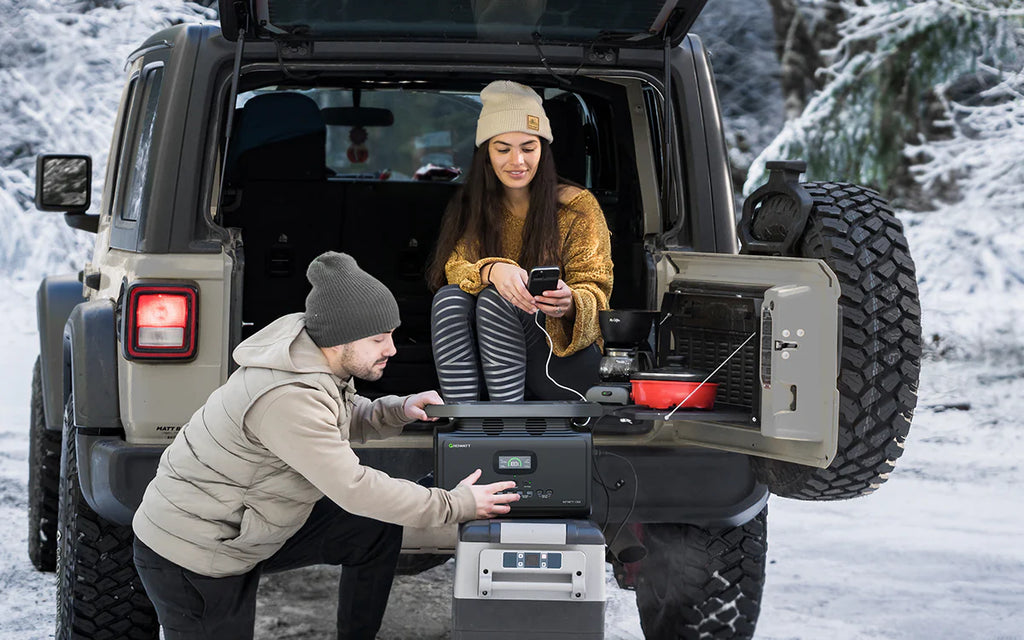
(543, 279)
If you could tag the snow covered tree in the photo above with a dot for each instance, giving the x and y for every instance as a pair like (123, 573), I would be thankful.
(801, 33)
(893, 80)
(739, 37)
(61, 74)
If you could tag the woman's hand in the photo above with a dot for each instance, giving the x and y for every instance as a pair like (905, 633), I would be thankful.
(558, 303)
(510, 281)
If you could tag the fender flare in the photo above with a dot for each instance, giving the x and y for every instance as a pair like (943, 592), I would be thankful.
(56, 297)
(90, 347)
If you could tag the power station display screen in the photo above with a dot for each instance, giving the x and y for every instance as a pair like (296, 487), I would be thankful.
(514, 463)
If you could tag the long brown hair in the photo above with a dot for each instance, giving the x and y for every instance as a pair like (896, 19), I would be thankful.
(475, 213)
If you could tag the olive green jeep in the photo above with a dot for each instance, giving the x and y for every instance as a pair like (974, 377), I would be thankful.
(242, 151)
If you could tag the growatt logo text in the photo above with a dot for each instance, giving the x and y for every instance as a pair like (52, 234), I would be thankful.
(458, 445)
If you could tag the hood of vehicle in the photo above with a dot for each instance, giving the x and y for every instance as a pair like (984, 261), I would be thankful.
(615, 23)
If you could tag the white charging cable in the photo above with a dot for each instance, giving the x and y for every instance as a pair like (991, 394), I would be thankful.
(551, 352)
(681, 402)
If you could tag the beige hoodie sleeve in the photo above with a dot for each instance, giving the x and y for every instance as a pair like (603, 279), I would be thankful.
(376, 419)
(298, 425)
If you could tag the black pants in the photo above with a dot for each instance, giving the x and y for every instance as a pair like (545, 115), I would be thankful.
(192, 606)
(488, 333)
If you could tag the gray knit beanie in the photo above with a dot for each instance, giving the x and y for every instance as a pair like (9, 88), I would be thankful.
(346, 303)
(510, 106)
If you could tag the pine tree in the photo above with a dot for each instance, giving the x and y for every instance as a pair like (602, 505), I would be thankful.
(887, 83)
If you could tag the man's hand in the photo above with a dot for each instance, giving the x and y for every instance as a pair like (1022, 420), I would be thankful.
(489, 502)
(414, 404)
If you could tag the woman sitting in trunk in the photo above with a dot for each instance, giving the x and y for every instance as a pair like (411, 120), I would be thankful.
(513, 214)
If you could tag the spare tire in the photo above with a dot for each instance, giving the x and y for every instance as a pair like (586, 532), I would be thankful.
(857, 234)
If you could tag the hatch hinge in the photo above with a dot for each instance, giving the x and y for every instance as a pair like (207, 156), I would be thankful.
(602, 55)
(293, 49)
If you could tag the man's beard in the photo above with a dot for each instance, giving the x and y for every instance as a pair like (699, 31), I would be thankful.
(369, 373)
(362, 370)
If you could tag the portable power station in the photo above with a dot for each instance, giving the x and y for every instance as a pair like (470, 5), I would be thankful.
(534, 444)
(538, 572)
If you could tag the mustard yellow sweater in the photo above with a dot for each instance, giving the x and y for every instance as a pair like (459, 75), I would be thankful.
(587, 260)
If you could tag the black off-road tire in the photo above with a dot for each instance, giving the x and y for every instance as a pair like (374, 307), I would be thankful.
(99, 594)
(43, 481)
(856, 233)
(697, 583)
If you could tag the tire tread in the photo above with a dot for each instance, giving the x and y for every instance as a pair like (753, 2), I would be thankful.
(700, 583)
(856, 232)
(99, 593)
(43, 481)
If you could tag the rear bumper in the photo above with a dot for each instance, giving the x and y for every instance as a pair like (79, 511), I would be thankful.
(703, 487)
(114, 474)
(691, 485)
(697, 486)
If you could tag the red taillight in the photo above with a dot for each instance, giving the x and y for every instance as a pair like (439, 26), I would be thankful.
(160, 321)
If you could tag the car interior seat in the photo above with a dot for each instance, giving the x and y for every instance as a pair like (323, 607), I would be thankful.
(277, 163)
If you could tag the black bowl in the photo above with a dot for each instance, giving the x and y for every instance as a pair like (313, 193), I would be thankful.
(625, 327)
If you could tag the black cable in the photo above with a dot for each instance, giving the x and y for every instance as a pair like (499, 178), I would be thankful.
(607, 494)
(544, 61)
(632, 504)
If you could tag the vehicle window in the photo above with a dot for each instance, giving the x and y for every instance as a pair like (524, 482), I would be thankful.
(126, 108)
(137, 179)
(652, 102)
(397, 135)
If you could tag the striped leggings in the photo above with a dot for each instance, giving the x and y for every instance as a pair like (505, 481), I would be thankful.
(488, 333)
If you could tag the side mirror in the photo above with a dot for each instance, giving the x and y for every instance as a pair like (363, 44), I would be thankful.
(64, 183)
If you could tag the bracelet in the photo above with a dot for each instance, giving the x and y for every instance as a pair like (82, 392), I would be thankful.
(486, 279)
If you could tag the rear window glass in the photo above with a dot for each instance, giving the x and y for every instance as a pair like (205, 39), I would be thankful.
(139, 179)
(398, 134)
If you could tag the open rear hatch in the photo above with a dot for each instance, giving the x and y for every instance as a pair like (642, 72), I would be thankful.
(772, 326)
(639, 23)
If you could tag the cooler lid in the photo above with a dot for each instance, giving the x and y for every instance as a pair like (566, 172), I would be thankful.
(518, 532)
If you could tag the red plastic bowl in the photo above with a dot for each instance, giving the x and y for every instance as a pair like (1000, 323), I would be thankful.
(666, 394)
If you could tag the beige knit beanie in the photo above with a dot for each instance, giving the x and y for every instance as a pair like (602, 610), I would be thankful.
(346, 303)
(510, 106)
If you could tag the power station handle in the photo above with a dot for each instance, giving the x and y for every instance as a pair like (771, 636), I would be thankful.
(575, 586)
(502, 585)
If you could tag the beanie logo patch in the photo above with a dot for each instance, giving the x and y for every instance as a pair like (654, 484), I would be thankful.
(533, 123)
